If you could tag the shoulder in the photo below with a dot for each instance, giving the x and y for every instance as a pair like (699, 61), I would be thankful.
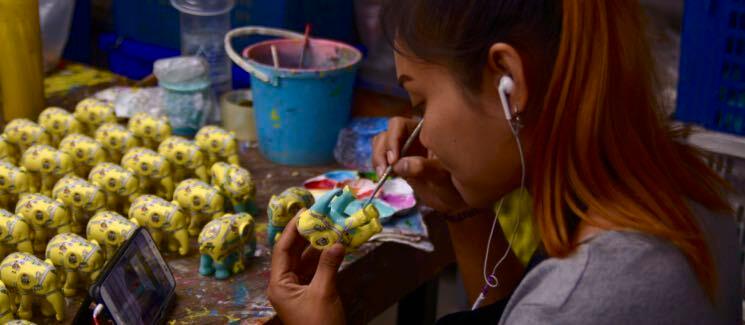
(618, 276)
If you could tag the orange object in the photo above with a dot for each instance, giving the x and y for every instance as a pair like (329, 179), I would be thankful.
(21, 70)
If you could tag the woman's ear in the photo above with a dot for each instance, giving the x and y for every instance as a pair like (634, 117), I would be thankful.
(504, 60)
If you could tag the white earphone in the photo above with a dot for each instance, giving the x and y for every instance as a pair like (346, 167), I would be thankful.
(505, 88)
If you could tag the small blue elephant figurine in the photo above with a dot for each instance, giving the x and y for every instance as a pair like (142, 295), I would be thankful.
(225, 243)
(283, 207)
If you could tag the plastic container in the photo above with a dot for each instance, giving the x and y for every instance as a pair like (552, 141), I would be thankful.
(130, 58)
(299, 112)
(187, 96)
(238, 114)
(711, 87)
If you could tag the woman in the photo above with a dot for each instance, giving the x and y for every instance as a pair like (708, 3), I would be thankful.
(623, 209)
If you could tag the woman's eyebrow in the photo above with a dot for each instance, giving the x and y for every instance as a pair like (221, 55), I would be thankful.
(402, 79)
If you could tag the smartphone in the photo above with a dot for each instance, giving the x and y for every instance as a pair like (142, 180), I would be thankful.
(136, 287)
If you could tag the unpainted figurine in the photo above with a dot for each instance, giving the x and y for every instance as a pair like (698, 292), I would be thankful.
(28, 276)
(15, 234)
(46, 216)
(110, 230)
(116, 140)
(59, 123)
(186, 158)
(162, 219)
(8, 151)
(151, 130)
(77, 257)
(81, 198)
(152, 170)
(200, 200)
(91, 113)
(225, 243)
(14, 181)
(326, 223)
(45, 165)
(235, 183)
(219, 144)
(85, 152)
(121, 185)
(283, 207)
(23, 133)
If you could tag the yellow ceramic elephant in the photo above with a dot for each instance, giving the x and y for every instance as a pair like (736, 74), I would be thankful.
(23, 133)
(77, 257)
(283, 207)
(116, 140)
(8, 152)
(85, 152)
(14, 181)
(110, 230)
(91, 113)
(152, 170)
(219, 144)
(186, 158)
(59, 123)
(236, 184)
(151, 130)
(326, 223)
(202, 201)
(15, 234)
(6, 305)
(45, 165)
(162, 219)
(81, 198)
(121, 185)
(225, 243)
(46, 216)
(28, 276)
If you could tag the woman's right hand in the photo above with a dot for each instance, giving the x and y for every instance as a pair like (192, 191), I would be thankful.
(430, 180)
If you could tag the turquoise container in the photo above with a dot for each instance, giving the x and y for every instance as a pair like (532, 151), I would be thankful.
(299, 111)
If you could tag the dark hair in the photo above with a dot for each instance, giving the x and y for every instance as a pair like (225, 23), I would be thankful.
(458, 34)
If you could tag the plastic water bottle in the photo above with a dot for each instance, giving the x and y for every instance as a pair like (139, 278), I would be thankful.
(204, 24)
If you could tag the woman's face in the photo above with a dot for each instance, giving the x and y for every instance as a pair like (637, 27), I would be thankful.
(468, 133)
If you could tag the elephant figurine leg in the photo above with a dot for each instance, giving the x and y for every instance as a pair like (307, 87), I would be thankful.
(202, 174)
(167, 186)
(58, 303)
(195, 224)
(24, 310)
(173, 244)
(272, 232)
(205, 265)
(40, 239)
(238, 266)
(25, 246)
(182, 236)
(5, 201)
(47, 183)
(71, 281)
(223, 268)
(157, 237)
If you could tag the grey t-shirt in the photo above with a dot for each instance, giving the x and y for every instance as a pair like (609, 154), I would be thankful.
(624, 277)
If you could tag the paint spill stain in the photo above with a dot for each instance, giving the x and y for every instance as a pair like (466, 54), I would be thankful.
(240, 294)
(275, 117)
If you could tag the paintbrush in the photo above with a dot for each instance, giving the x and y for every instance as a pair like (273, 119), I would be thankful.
(306, 40)
(389, 169)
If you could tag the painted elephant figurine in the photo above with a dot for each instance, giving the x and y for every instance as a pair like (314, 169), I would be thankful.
(8, 151)
(283, 207)
(151, 130)
(225, 243)
(326, 223)
(82, 198)
(110, 230)
(152, 170)
(28, 276)
(85, 152)
(219, 144)
(14, 181)
(23, 133)
(234, 183)
(116, 140)
(6, 305)
(59, 123)
(46, 166)
(186, 158)
(121, 185)
(91, 113)
(77, 257)
(15, 234)
(200, 200)
(46, 217)
(162, 219)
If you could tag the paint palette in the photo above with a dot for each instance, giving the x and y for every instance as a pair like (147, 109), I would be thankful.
(395, 198)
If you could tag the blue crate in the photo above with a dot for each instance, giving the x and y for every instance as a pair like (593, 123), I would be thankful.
(711, 87)
(130, 58)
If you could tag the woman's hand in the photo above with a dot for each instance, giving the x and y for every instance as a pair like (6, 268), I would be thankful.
(302, 285)
(430, 180)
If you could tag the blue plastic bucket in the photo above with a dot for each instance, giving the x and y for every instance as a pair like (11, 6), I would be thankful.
(299, 112)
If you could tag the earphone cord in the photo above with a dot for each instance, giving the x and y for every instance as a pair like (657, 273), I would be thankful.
(491, 280)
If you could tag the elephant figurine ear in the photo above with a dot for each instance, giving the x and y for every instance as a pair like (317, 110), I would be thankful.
(134, 221)
(26, 281)
(322, 204)
(95, 242)
(246, 229)
(72, 260)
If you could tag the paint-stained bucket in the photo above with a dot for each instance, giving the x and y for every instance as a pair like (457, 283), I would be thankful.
(299, 111)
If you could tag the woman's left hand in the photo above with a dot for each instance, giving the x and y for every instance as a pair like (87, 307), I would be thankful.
(302, 285)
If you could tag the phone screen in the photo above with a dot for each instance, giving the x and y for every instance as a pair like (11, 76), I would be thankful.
(139, 284)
